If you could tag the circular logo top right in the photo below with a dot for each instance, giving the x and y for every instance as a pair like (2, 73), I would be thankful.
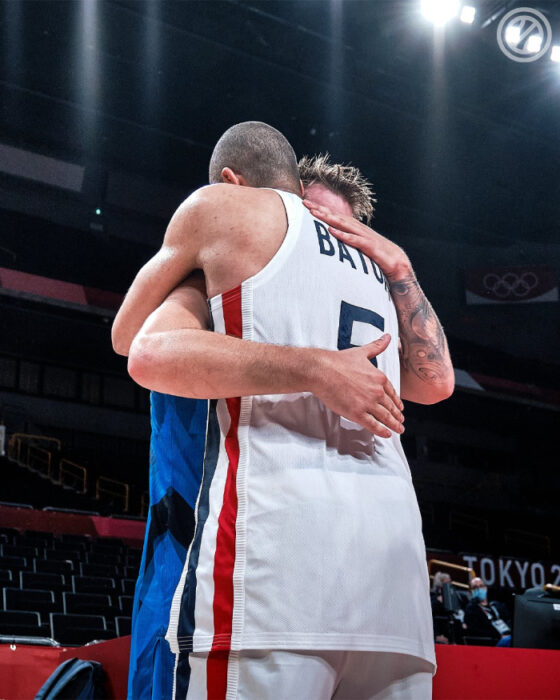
(524, 34)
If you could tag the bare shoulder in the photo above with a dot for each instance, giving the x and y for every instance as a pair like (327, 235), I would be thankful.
(196, 215)
(225, 208)
(243, 230)
(231, 197)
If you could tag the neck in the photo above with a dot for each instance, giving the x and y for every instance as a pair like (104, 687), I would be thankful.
(289, 189)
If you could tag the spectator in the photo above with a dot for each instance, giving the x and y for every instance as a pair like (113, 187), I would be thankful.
(484, 619)
(436, 595)
(447, 612)
(438, 609)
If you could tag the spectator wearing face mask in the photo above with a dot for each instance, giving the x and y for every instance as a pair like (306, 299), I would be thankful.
(484, 619)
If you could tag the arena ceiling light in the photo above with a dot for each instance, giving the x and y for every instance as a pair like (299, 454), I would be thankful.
(513, 35)
(534, 43)
(468, 14)
(555, 54)
(440, 11)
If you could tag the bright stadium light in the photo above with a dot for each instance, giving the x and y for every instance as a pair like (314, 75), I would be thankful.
(439, 11)
(534, 43)
(513, 35)
(555, 54)
(468, 14)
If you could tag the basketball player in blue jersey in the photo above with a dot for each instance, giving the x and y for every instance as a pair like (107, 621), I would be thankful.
(222, 621)
(176, 452)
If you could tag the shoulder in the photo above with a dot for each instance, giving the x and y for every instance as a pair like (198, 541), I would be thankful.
(226, 208)
(199, 212)
(229, 196)
(225, 212)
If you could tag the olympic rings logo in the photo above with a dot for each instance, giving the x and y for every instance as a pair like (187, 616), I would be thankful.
(516, 31)
(510, 284)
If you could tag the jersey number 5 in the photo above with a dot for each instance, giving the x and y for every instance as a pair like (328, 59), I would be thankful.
(349, 314)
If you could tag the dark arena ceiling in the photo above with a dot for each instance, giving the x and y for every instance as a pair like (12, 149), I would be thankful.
(462, 143)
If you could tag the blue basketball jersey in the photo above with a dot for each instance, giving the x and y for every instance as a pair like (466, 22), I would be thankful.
(176, 457)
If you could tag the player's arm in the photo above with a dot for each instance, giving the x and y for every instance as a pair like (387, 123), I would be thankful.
(175, 354)
(162, 273)
(427, 374)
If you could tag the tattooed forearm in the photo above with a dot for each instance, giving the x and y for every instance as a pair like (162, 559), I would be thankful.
(424, 350)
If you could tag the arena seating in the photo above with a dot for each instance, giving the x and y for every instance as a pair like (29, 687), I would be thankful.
(71, 588)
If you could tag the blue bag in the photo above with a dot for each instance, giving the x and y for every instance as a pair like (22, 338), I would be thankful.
(75, 679)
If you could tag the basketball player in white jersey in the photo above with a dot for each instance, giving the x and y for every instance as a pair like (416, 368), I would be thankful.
(309, 538)
(176, 464)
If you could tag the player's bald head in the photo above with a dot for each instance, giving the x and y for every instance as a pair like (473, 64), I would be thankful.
(258, 152)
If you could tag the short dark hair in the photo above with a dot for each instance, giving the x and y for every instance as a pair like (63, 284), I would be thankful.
(260, 153)
(344, 180)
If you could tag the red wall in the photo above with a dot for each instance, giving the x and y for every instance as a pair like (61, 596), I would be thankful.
(464, 673)
(24, 668)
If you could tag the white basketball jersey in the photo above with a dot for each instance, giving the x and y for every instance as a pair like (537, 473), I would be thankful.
(308, 530)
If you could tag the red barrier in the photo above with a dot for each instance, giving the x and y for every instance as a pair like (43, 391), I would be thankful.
(113, 655)
(464, 672)
(496, 673)
(24, 668)
(50, 288)
(131, 531)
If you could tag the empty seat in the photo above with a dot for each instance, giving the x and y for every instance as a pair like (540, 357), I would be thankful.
(98, 570)
(122, 625)
(78, 629)
(6, 576)
(14, 564)
(131, 572)
(128, 585)
(53, 582)
(36, 538)
(17, 622)
(71, 548)
(62, 555)
(48, 566)
(93, 584)
(81, 540)
(39, 601)
(89, 604)
(102, 557)
(125, 603)
(12, 550)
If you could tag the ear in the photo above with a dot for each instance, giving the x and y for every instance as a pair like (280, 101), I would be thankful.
(302, 189)
(232, 178)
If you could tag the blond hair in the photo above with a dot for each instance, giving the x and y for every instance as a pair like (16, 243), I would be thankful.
(344, 180)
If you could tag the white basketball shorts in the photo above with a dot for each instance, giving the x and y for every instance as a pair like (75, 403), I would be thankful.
(305, 675)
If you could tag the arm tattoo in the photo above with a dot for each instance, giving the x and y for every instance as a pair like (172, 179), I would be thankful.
(424, 347)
